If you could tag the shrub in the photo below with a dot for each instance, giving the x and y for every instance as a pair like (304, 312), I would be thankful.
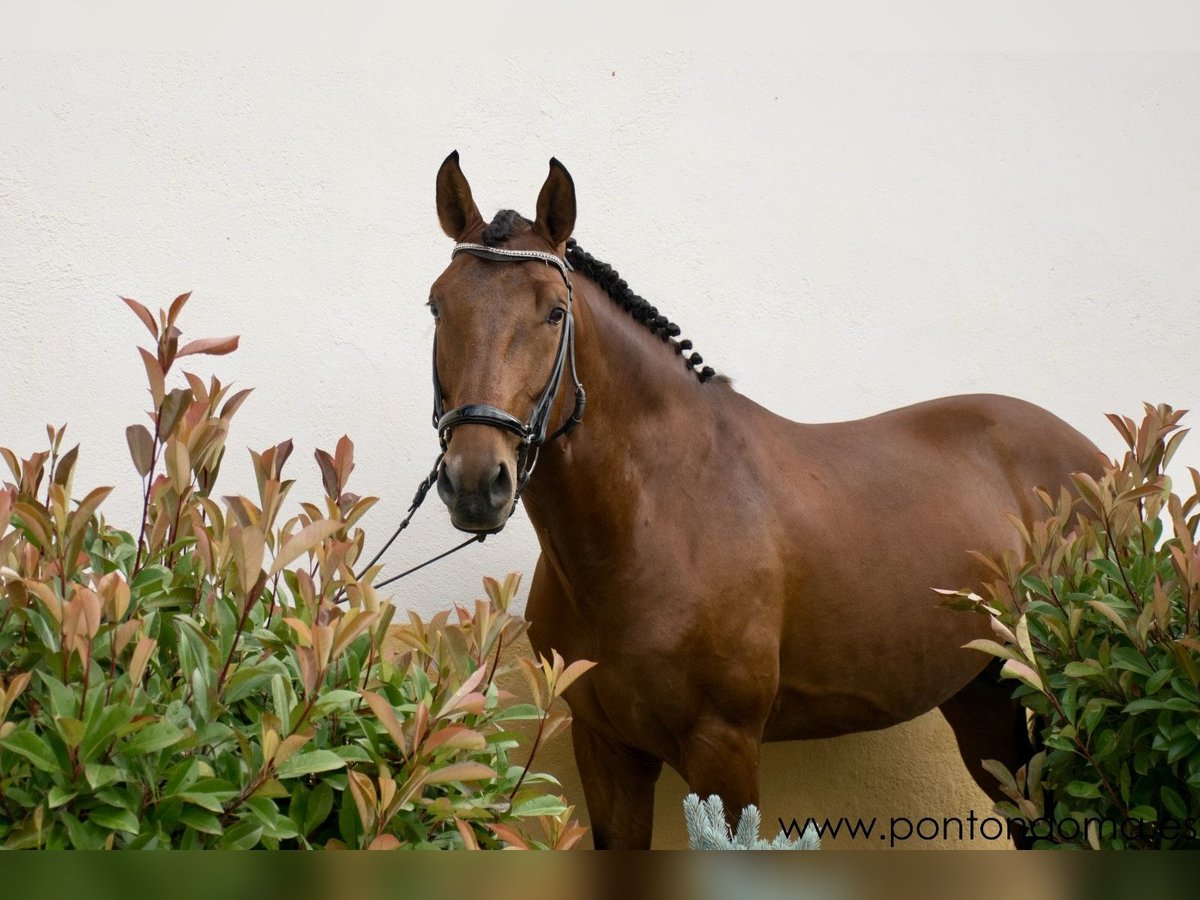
(226, 680)
(708, 829)
(1099, 622)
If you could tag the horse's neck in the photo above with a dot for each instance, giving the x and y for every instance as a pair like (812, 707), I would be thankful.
(647, 416)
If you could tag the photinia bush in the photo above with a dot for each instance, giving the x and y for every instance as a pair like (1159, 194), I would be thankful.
(224, 679)
(1098, 622)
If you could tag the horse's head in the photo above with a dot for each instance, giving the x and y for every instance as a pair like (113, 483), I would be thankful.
(503, 332)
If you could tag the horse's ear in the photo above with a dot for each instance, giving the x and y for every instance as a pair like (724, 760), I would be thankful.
(556, 205)
(455, 207)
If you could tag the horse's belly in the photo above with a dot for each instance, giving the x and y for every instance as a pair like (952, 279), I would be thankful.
(802, 715)
(870, 665)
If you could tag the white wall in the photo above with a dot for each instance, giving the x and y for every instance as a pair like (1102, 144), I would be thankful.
(842, 234)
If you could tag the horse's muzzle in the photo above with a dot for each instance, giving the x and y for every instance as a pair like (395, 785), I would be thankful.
(480, 499)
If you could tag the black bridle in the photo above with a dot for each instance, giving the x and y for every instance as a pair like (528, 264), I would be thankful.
(533, 431)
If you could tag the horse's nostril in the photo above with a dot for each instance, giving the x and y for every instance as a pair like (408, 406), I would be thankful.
(501, 486)
(446, 483)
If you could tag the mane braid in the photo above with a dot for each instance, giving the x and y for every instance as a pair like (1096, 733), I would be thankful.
(615, 286)
(505, 222)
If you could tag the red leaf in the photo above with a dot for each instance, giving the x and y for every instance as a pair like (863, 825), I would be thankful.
(143, 314)
(211, 346)
(141, 448)
(176, 306)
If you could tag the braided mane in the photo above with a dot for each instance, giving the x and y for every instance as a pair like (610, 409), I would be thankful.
(609, 280)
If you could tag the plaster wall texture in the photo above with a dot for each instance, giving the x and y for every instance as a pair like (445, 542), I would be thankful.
(842, 234)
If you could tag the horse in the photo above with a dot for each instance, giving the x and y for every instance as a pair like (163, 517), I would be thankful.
(737, 577)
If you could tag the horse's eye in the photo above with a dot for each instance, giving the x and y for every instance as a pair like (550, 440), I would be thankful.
(433, 309)
(556, 315)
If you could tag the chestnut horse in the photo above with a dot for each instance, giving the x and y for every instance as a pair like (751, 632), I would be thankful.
(738, 577)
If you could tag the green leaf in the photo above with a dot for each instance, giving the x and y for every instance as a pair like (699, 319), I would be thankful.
(242, 836)
(58, 796)
(98, 775)
(200, 820)
(545, 805)
(72, 731)
(333, 699)
(1173, 802)
(247, 680)
(152, 738)
(1131, 659)
(114, 819)
(279, 696)
(204, 801)
(1084, 789)
(1158, 679)
(309, 763)
(320, 804)
(27, 744)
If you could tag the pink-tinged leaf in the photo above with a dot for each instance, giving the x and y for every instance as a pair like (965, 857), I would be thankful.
(467, 834)
(508, 835)
(66, 463)
(13, 464)
(349, 628)
(570, 674)
(124, 634)
(290, 746)
(462, 771)
(49, 599)
(385, 842)
(455, 737)
(7, 497)
(1109, 613)
(234, 403)
(301, 628)
(210, 346)
(89, 611)
(344, 459)
(329, 476)
(570, 836)
(179, 465)
(16, 687)
(1019, 670)
(176, 307)
(362, 789)
(171, 412)
(310, 670)
(386, 716)
(144, 314)
(554, 723)
(1123, 426)
(248, 550)
(141, 655)
(307, 539)
(473, 681)
(420, 725)
(533, 677)
(87, 508)
(986, 646)
(154, 374)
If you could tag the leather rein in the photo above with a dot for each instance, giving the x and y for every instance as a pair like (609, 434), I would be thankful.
(532, 432)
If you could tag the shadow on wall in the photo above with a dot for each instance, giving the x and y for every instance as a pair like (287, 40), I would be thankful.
(907, 773)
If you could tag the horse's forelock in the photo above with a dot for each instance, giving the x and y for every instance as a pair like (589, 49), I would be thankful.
(502, 227)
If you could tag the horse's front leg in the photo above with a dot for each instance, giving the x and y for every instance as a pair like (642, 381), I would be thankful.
(722, 758)
(618, 785)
